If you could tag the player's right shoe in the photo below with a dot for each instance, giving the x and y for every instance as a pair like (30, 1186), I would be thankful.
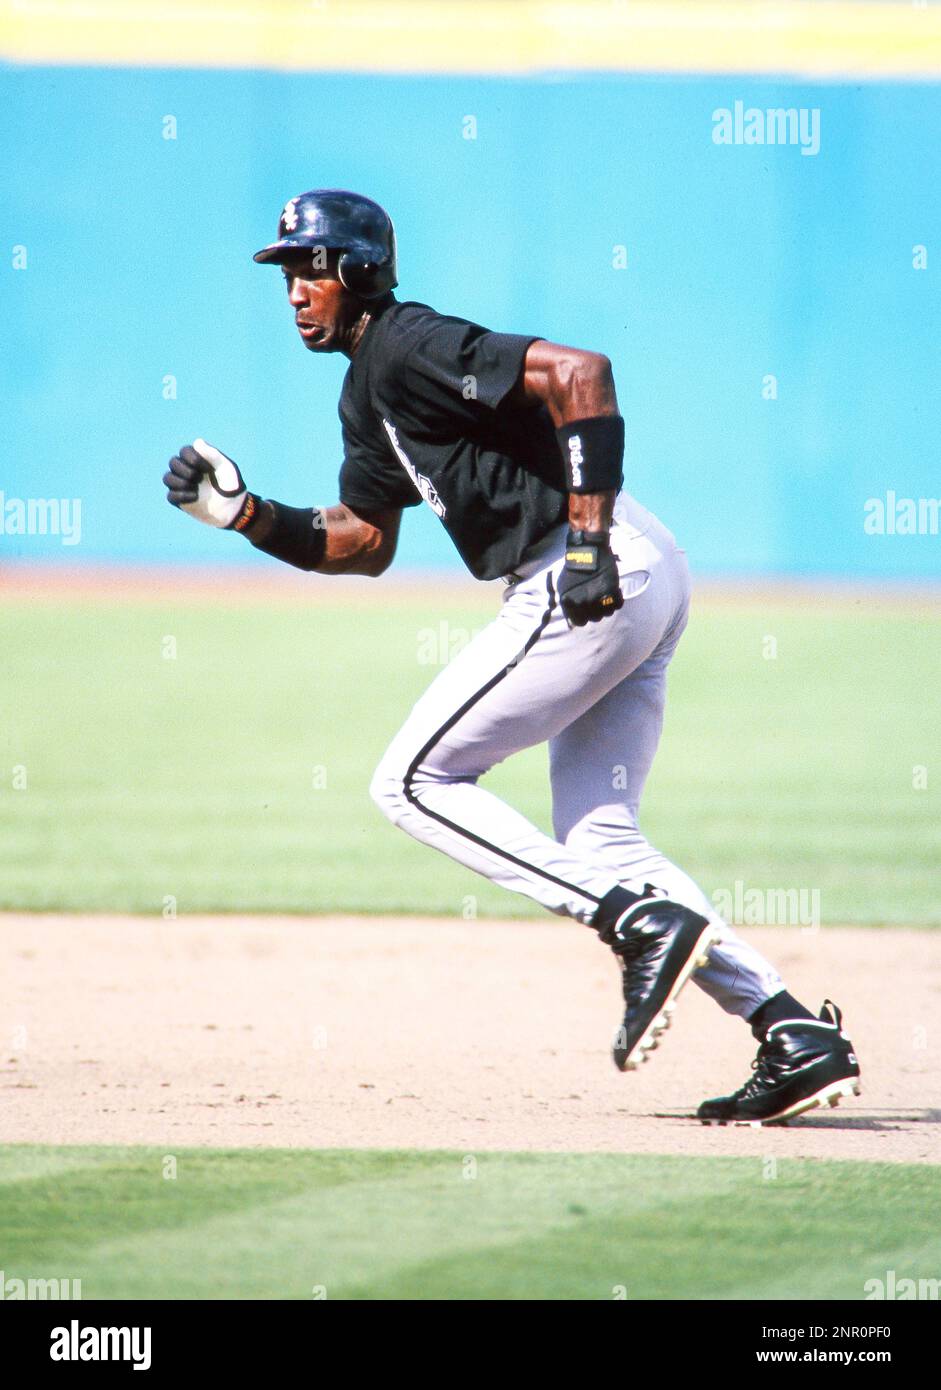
(801, 1063)
(658, 943)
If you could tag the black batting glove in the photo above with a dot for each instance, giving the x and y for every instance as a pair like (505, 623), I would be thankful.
(589, 587)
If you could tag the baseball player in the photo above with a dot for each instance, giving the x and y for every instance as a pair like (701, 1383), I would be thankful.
(516, 444)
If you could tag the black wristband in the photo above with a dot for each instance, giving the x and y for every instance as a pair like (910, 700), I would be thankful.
(593, 453)
(296, 535)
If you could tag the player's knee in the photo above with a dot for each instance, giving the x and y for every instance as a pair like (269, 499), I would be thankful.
(387, 790)
(610, 828)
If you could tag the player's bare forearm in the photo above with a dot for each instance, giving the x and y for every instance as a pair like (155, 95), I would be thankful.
(354, 542)
(358, 543)
(591, 511)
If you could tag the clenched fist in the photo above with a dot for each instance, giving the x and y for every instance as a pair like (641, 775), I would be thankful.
(589, 587)
(208, 485)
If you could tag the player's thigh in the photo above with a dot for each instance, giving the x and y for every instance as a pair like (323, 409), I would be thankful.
(525, 679)
(462, 685)
(599, 763)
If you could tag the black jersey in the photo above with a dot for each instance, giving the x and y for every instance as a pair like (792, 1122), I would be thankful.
(424, 416)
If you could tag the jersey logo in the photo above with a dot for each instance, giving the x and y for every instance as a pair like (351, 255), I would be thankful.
(575, 459)
(424, 485)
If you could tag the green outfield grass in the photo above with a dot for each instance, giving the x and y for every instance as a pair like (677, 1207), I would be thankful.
(234, 777)
(370, 1225)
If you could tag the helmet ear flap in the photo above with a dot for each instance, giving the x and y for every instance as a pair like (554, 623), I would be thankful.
(368, 279)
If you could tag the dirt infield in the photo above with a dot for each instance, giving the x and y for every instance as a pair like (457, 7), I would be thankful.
(426, 1034)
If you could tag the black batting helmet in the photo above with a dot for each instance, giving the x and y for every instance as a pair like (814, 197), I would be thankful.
(355, 226)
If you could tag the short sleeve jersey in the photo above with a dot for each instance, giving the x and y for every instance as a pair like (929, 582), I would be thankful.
(425, 417)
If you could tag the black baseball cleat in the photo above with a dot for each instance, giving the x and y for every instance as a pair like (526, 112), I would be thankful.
(659, 943)
(802, 1063)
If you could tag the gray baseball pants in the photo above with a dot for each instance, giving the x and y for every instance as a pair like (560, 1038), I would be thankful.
(596, 695)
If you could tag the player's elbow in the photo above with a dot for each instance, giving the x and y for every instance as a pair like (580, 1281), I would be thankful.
(598, 366)
(580, 378)
(597, 372)
(378, 562)
(374, 536)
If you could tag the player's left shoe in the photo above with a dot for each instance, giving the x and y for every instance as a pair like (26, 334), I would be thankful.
(801, 1063)
(658, 943)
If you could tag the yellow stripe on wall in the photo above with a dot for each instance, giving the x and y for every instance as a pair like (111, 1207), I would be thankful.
(805, 38)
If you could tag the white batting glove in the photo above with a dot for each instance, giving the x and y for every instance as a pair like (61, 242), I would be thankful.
(206, 484)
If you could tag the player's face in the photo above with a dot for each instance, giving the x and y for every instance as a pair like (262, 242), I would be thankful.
(324, 310)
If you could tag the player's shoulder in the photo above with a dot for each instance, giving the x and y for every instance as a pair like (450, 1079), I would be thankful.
(408, 321)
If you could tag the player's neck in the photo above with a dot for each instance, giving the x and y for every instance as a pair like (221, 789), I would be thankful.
(358, 329)
(357, 332)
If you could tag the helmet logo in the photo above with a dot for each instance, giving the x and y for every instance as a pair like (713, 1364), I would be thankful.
(343, 232)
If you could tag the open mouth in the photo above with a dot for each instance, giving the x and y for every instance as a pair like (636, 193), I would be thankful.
(310, 330)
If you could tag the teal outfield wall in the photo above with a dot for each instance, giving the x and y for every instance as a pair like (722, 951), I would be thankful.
(743, 262)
